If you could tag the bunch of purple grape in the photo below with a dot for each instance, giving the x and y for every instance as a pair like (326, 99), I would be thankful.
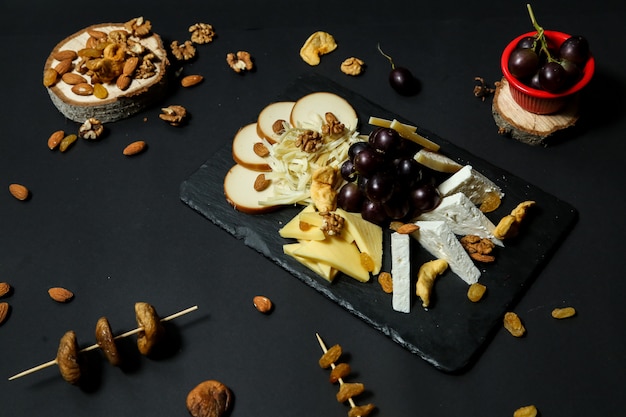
(384, 181)
(534, 64)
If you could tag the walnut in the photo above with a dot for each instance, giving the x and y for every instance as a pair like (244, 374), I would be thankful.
(118, 36)
(173, 114)
(332, 126)
(91, 129)
(242, 61)
(332, 225)
(139, 27)
(478, 248)
(309, 141)
(202, 33)
(147, 68)
(183, 52)
(352, 66)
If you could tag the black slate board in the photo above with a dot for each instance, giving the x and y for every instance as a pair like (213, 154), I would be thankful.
(453, 331)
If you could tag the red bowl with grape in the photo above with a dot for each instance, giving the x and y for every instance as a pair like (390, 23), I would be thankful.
(526, 88)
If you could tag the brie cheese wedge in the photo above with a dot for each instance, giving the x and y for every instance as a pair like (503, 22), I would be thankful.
(401, 272)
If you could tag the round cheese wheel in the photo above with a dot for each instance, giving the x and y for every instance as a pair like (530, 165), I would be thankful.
(240, 193)
(244, 153)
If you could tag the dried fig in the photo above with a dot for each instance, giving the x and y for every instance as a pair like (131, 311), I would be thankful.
(208, 399)
(67, 358)
(106, 341)
(152, 328)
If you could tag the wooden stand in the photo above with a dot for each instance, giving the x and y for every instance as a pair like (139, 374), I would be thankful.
(529, 128)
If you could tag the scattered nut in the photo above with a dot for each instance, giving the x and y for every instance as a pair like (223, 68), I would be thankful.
(82, 89)
(386, 282)
(407, 228)
(278, 127)
(191, 80)
(332, 126)
(476, 291)
(202, 33)
(60, 295)
(262, 303)
(260, 149)
(478, 248)
(65, 54)
(92, 128)
(352, 66)
(319, 43)
(330, 356)
(239, 62)
(332, 224)
(68, 358)
(123, 82)
(72, 78)
(173, 114)
(139, 26)
(64, 66)
(183, 52)
(4, 311)
(209, 399)
(261, 183)
(513, 324)
(5, 288)
(55, 138)
(134, 148)
(528, 411)
(563, 313)
(19, 191)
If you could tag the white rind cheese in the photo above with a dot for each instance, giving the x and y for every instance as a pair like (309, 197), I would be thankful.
(439, 240)
(463, 217)
(471, 183)
(401, 272)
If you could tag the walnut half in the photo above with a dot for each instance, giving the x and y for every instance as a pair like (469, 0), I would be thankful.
(239, 62)
(173, 114)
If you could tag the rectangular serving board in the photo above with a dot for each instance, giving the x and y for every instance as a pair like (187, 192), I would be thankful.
(450, 334)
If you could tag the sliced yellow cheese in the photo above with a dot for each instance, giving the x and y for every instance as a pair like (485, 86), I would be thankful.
(313, 218)
(337, 253)
(380, 122)
(322, 269)
(293, 230)
(367, 236)
(406, 133)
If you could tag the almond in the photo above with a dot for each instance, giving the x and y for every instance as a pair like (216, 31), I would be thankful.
(19, 191)
(260, 149)
(60, 294)
(261, 183)
(123, 82)
(98, 34)
(55, 138)
(4, 312)
(262, 303)
(83, 89)
(407, 228)
(4, 288)
(134, 148)
(130, 65)
(65, 54)
(72, 78)
(64, 66)
(191, 80)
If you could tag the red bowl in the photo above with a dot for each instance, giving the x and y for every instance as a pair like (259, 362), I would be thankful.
(540, 101)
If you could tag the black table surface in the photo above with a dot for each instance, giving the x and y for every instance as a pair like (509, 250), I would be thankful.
(115, 231)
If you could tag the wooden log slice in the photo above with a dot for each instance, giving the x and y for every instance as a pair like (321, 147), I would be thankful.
(146, 84)
(527, 127)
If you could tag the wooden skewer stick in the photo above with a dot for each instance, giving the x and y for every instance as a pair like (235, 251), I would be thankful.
(332, 365)
(95, 345)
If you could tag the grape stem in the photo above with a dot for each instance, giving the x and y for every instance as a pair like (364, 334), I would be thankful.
(393, 66)
(540, 37)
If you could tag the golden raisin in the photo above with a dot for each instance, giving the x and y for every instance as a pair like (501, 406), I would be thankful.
(100, 91)
(475, 292)
(386, 282)
(349, 390)
(67, 142)
(513, 324)
(361, 410)
(367, 262)
(330, 356)
(490, 203)
(563, 313)
(50, 76)
(341, 370)
(527, 411)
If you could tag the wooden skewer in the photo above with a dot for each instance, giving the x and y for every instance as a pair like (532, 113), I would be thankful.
(332, 365)
(95, 345)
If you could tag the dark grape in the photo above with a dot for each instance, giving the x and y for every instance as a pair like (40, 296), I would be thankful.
(534, 81)
(575, 49)
(379, 187)
(350, 198)
(425, 197)
(403, 81)
(572, 72)
(398, 206)
(355, 148)
(367, 161)
(374, 212)
(385, 140)
(347, 170)
(408, 171)
(552, 77)
(407, 148)
(527, 42)
(523, 63)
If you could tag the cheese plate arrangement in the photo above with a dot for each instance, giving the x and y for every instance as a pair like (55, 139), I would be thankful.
(450, 330)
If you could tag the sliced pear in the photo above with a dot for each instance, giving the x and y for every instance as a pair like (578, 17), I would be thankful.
(240, 193)
(243, 149)
(310, 110)
(280, 110)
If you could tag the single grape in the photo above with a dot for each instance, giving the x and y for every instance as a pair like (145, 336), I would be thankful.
(379, 187)
(575, 49)
(385, 140)
(374, 212)
(572, 72)
(523, 63)
(534, 82)
(552, 76)
(401, 79)
(348, 171)
(407, 148)
(425, 197)
(527, 42)
(355, 148)
(408, 171)
(350, 198)
(367, 162)
(398, 206)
